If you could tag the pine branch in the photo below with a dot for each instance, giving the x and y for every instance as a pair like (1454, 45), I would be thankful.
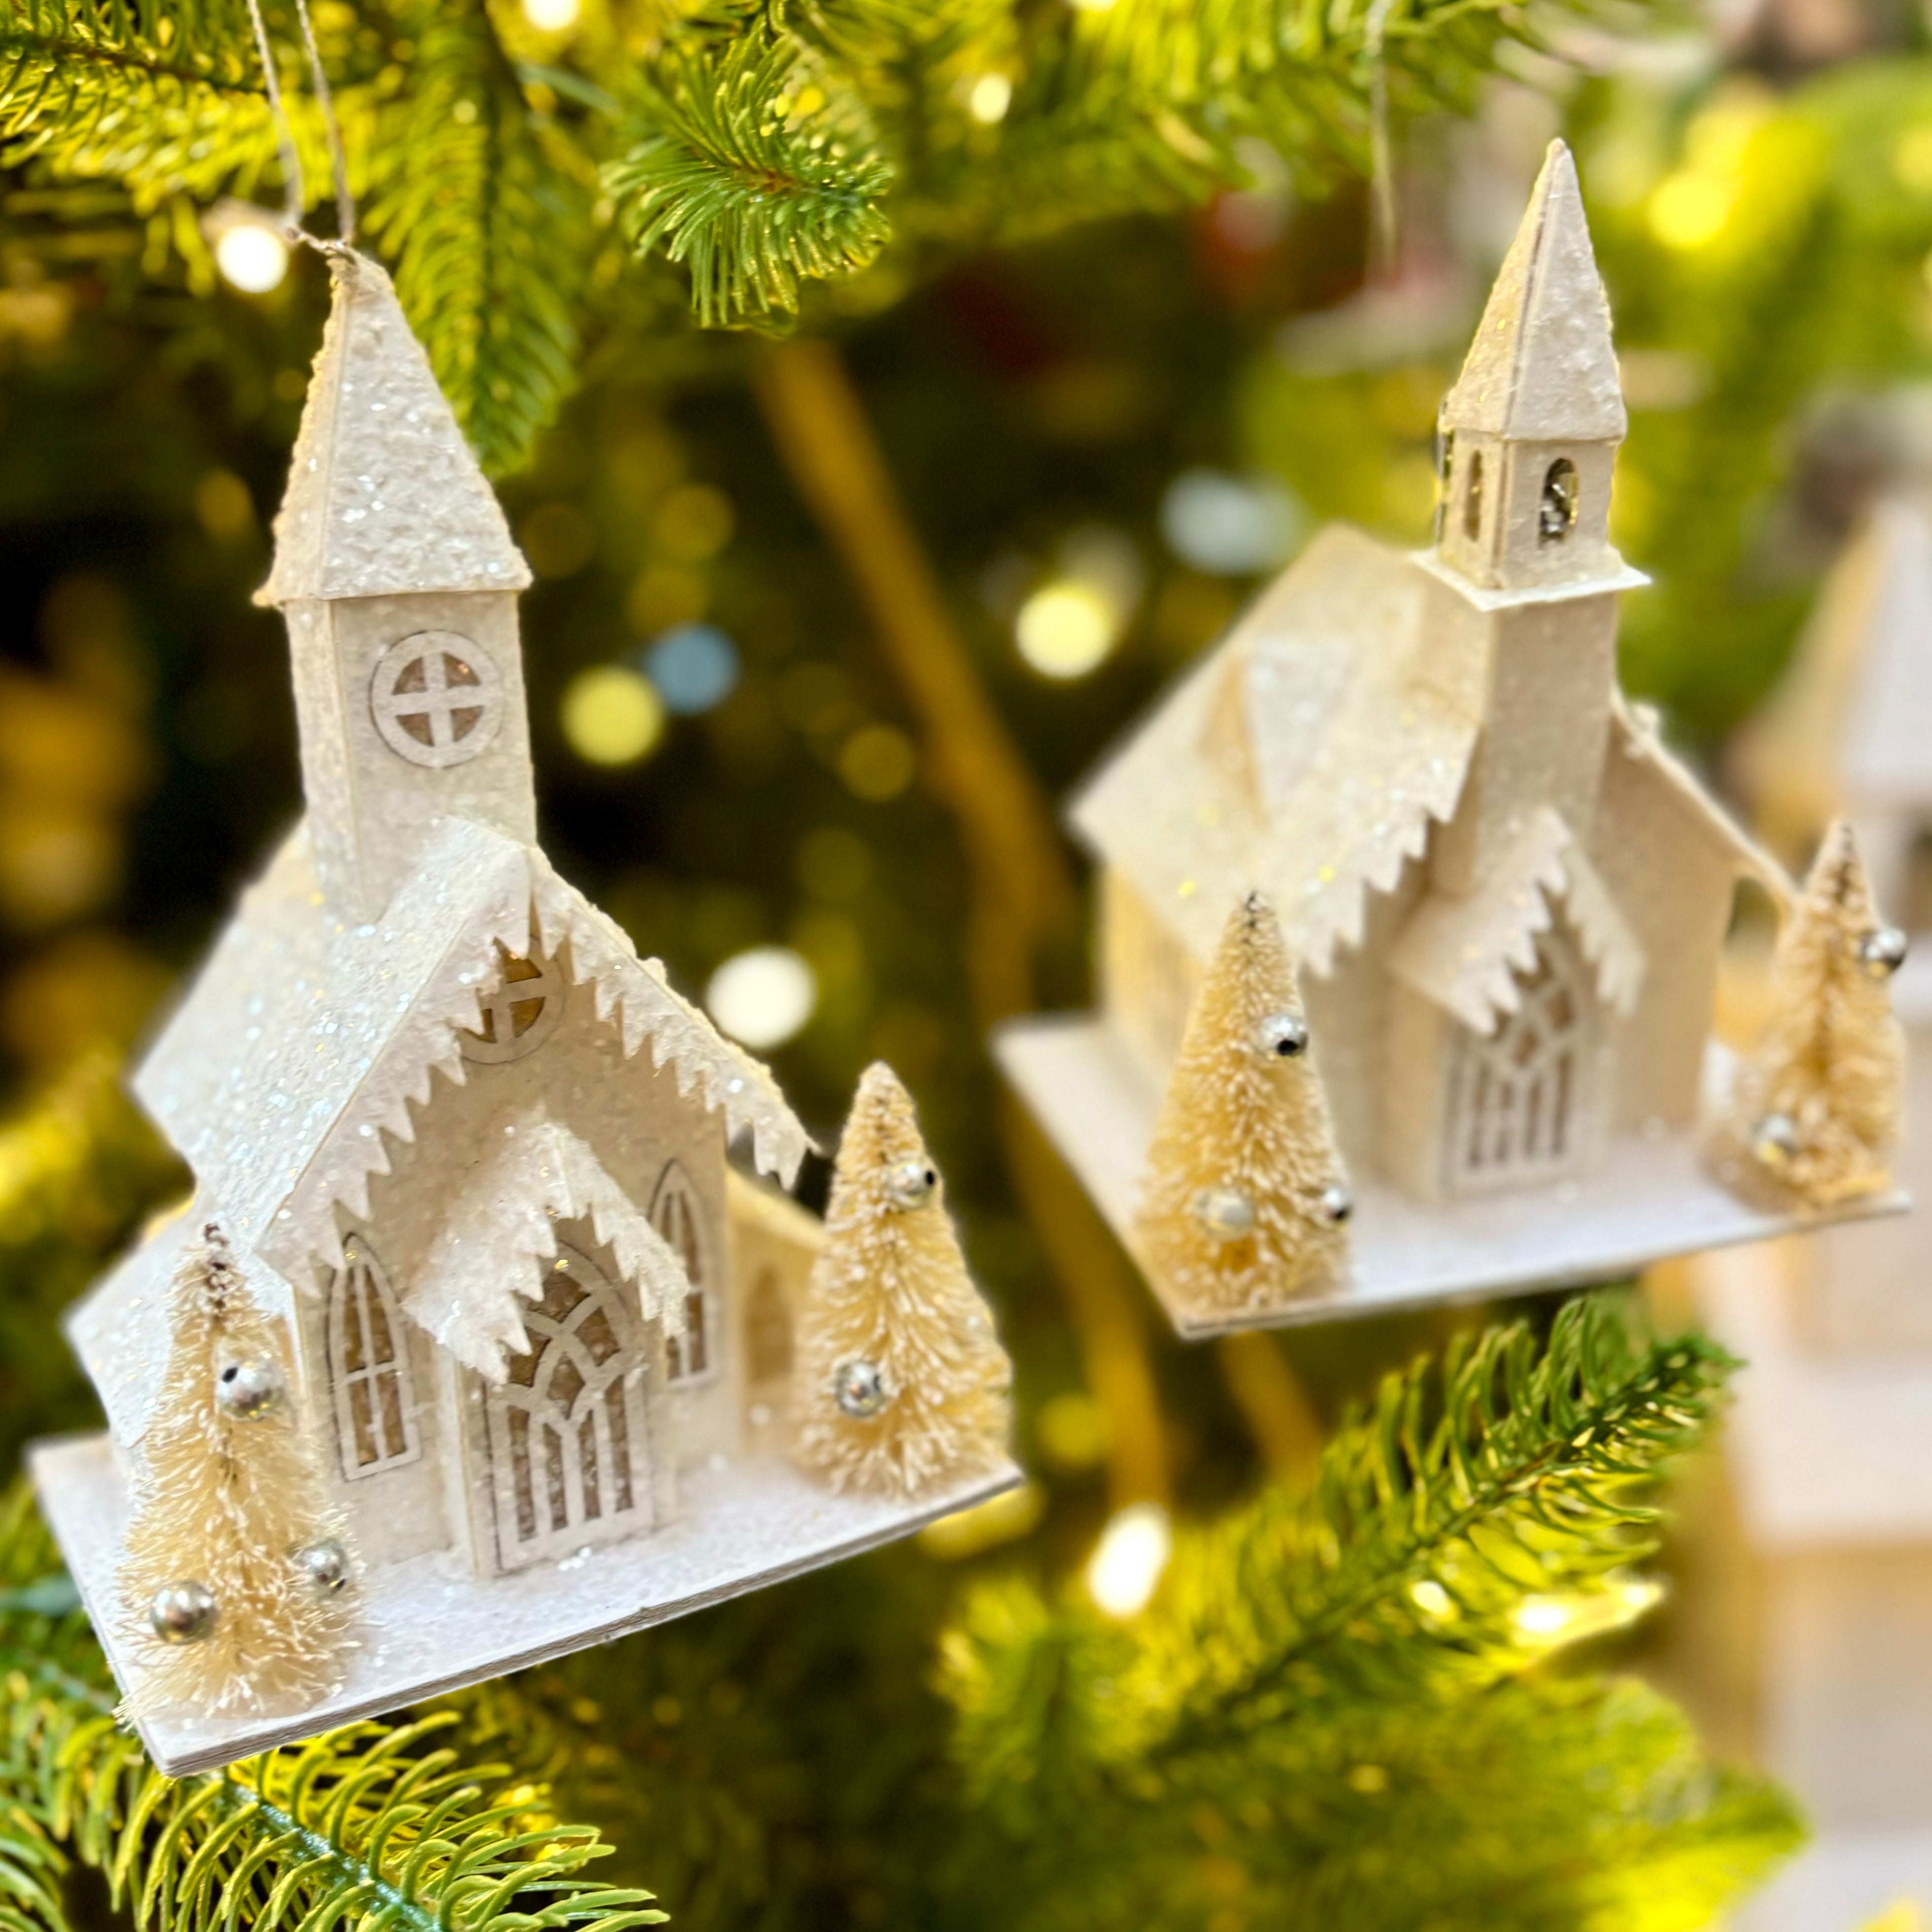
(737, 175)
(380, 1824)
(1515, 1473)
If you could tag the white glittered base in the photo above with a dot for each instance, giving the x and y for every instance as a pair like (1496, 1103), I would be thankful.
(429, 1626)
(1650, 1199)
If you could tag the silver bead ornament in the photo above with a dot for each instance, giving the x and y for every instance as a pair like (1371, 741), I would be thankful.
(910, 1184)
(248, 1390)
(1224, 1215)
(1337, 1203)
(1881, 952)
(1282, 1036)
(1774, 1140)
(183, 1612)
(859, 1387)
(325, 1564)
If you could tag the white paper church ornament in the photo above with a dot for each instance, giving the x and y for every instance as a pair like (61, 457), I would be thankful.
(467, 1151)
(1506, 899)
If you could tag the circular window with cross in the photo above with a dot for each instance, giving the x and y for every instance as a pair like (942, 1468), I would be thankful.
(518, 1013)
(437, 698)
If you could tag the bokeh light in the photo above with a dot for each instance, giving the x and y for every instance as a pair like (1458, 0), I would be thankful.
(694, 666)
(1128, 1561)
(1066, 628)
(251, 256)
(552, 17)
(611, 715)
(991, 95)
(763, 996)
(1229, 526)
(877, 762)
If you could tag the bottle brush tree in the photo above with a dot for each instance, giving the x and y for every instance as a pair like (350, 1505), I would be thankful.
(1246, 1199)
(234, 1570)
(903, 1385)
(1817, 1102)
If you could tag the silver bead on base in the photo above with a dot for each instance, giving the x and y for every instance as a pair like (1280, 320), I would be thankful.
(248, 1390)
(1282, 1036)
(858, 1388)
(1224, 1215)
(1881, 952)
(1337, 1203)
(910, 1184)
(183, 1612)
(1774, 1140)
(325, 1564)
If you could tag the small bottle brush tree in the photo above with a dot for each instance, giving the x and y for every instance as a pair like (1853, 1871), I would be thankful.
(1817, 1104)
(1246, 1197)
(903, 1386)
(234, 1569)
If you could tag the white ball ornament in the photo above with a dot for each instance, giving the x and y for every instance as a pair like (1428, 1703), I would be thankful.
(1774, 1140)
(859, 1387)
(1337, 1203)
(325, 1564)
(248, 1390)
(1224, 1215)
(910, 1184)
(183, 1612)
(1881, 951)
(1282, 1036)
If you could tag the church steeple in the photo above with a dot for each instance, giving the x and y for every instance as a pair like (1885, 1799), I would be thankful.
(398, 578)
(1530, 430)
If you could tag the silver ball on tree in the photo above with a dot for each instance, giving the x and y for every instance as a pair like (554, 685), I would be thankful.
(183, 1612)
(910, 1184)
(1337, 1203)
(325, 1564)
(248, 1390)
(859, 1387)
(1881, 952)
(1774, 1140)
(1282, 1036)
(1224, 1215)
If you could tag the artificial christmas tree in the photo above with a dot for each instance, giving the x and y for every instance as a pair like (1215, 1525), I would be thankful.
(902, 1383)
(1816, 1106)
(1246, 1199)
(236, 1563)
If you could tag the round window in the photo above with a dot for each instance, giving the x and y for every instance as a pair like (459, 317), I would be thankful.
(437, 698)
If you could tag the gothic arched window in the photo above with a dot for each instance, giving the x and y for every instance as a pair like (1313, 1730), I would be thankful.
(1556, 516)
(368, 1355)
(1472, 498)
(677, 1216)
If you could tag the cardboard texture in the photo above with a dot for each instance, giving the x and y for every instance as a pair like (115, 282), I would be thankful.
(468, 1148)
(1507, 899)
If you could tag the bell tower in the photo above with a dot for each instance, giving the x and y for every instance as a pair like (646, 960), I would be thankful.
(397, 578)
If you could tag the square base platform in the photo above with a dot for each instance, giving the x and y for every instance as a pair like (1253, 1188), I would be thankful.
(429, 1625)
(1650, 1199)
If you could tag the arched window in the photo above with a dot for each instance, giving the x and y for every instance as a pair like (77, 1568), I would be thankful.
(368, 1355)
(1445, 480)
(677, 1216)
(767, 1331)
(569, 1451)
(1472, 499)
(1556, 517)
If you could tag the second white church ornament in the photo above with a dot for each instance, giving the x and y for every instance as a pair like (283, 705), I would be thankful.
(464, 1154)
(1506, 900)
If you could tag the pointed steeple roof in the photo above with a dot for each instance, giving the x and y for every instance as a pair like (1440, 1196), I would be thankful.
(1541, 368)
(384, 495)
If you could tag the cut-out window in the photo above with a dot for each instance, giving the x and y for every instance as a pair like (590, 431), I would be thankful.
(1445, 479)
(768, 1340)
(368, 1357)
(518, 1013)
(1556, 517)
(437, 698)
(1517, 1111)
(675, 1215)
(1472, 498)
(567, 1430)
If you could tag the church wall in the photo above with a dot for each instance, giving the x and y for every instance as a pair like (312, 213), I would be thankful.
(1147, 976)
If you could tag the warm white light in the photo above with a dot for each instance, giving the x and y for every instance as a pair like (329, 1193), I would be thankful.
(552, 17)
(992, 94)
(762, 996)
(1554, 1620)
(1067, 628)
(611, 715)
(1128, 1561)
(1228, 526)
(251, 258)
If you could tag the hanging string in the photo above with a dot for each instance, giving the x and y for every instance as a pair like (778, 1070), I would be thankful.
(1381, 173)
(295, 185)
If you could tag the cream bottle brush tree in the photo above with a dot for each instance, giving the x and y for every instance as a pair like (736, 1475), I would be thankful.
(1246, 1199)
(234, 1569)
(1817, 1102)
(902, 1383)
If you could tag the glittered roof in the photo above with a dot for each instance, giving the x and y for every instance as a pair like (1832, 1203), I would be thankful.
(306, 1040)
(1541, 367)
(384, 495)
(1300, 760)
(1470, 955)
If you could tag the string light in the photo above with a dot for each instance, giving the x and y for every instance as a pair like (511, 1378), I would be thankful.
(250, 256)
(1066, 628)
(992, 94)
(1128, 1561)
(762, 996)
(552, 17)
(611, 715)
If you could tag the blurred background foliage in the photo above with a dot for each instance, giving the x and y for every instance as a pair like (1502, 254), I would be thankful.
(1092, 432)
